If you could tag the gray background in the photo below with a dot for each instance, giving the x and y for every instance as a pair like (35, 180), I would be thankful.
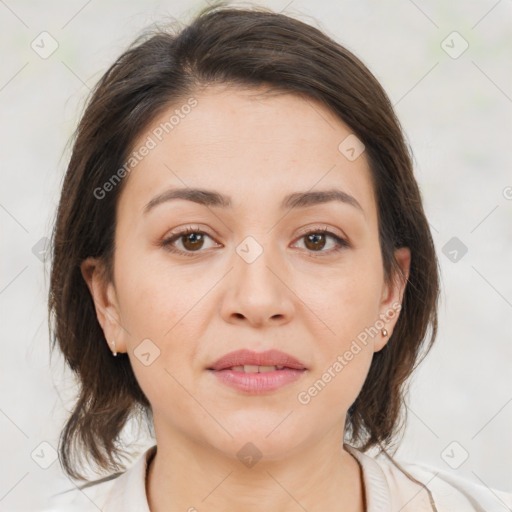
(456, 111)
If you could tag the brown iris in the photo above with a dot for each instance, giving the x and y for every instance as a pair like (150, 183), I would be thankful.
(315, 241)
(193, 241)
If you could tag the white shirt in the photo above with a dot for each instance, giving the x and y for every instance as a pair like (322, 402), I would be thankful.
(387, 489)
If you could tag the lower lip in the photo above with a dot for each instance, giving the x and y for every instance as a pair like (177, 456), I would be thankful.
(258, 383)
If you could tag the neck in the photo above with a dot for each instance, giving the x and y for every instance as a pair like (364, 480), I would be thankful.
(184, 476)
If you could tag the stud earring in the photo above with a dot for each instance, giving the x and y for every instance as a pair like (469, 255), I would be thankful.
(384, 332)
(114, 353)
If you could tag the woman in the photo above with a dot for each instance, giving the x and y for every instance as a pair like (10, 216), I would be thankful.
(242, 256)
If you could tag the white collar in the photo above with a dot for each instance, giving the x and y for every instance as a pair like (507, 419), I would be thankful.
(128, 492)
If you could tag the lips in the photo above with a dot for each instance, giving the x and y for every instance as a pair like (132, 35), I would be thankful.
(253, 362)
(252, 373)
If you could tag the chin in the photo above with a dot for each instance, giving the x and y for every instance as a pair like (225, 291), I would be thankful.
(254, 441)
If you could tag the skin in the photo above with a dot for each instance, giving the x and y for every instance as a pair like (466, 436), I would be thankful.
(309, 303)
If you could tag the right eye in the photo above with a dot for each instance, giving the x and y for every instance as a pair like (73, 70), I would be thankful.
(191, 240)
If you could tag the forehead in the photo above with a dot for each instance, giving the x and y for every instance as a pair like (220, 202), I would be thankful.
(250, 144)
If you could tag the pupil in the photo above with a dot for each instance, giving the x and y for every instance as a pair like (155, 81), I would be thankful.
(315, 238)
(193, 241)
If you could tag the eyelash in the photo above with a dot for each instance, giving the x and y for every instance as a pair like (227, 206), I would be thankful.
(167, 243)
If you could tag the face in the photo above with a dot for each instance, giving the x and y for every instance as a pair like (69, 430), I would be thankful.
(256, 270)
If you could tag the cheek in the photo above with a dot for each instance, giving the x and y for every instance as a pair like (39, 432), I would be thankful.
(149, 308)
(160, 333)
(345, 300)
(163, 305)
(346, 308)
(344, 348)
(154, 295)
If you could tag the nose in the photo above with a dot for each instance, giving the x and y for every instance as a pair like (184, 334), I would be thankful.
(257, 293)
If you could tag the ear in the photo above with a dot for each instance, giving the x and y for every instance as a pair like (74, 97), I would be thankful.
(105, 300)
(392, 296)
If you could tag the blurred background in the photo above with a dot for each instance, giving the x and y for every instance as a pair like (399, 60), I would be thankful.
(447, 68)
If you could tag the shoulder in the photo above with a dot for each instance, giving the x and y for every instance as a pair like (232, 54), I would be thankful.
(419, 487)
(122, 492)
(92, 497)
(453, 492)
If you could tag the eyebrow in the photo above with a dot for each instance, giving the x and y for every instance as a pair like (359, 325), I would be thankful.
(216, 199)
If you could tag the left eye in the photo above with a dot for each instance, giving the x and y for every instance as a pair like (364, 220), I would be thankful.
(317, 241)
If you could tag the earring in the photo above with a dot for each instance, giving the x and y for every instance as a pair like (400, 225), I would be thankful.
(114, 353)
(384, 332)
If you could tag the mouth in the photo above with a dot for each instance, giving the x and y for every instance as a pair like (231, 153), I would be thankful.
(251, 368)
(252, 362)
(257, 373)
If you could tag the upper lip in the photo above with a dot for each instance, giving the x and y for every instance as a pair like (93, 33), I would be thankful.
(248, 357)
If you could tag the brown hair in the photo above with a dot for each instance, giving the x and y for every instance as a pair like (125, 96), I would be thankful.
(248, 48)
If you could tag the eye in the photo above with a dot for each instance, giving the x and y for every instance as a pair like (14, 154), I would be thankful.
(191, 239)
(317, 240)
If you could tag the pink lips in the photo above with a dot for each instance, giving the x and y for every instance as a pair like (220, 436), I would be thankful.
(257, 382)
(267, 358)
